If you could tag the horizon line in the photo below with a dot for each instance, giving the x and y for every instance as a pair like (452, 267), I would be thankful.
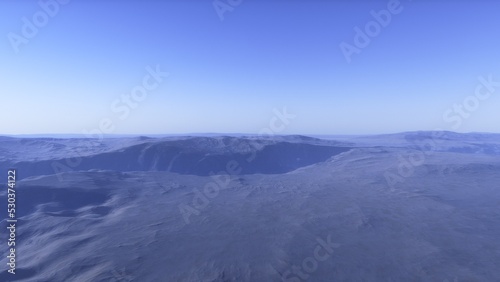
(216, 134)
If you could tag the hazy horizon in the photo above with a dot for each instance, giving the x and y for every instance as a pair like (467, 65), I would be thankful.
(223, 134)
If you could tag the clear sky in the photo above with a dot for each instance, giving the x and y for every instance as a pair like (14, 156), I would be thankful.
(66, 68)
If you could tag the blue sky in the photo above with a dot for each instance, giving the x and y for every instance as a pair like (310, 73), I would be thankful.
(419, 72)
